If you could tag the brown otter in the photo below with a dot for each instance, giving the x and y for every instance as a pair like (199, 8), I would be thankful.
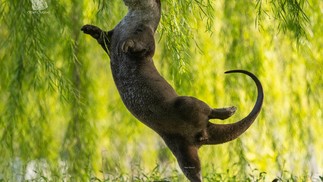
(182, 121)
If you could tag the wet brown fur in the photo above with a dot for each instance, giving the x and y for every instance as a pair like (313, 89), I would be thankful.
(182, 121)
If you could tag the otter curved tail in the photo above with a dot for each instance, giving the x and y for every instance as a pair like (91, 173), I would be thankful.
(221, 133)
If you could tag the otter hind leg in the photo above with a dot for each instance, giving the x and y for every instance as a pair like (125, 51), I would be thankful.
(222, 113)
(186, 154)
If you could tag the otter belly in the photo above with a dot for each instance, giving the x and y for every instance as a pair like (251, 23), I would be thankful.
(147, 100)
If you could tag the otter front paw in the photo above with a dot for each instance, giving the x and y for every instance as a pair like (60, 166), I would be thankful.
(92, 30)
(130, 46)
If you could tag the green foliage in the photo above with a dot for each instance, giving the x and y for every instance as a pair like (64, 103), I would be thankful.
(289, 13)
(61, 118)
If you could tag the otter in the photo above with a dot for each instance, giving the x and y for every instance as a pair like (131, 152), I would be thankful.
(181, 121)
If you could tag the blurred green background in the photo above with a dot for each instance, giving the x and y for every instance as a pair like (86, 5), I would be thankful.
(61, 118)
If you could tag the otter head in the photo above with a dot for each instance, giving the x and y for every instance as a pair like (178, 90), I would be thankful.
(142, 4)
(146, 12)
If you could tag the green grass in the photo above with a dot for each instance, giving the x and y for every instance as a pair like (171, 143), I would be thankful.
(39, 171)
